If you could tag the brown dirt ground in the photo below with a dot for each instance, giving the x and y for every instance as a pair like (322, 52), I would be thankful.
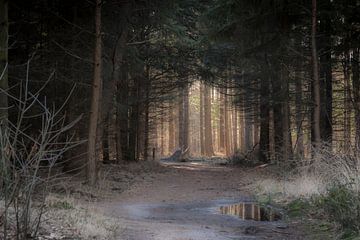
(180, 201)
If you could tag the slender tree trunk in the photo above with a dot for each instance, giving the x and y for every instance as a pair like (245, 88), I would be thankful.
(202, 142)
(105, 139)
(347, 104)
(162, 136)
(171, 130)
(299, 116)
(213, 119)
(315, 78)
(95, 100)
(209, 150)
(227, 125)
(222, 123)
(235, 129)
(133, 128)
(181, 119)
(278, 116)
(287, 152)
(264, 120)
(4, 26)
(356, 90)
(147, 114)
(186, 117)
(326, 98)
(119, 154)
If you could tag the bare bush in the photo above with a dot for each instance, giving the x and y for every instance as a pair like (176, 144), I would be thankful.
(333, 167)
(29, 159)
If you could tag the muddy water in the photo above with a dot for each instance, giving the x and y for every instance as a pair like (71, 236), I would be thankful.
(251, 211)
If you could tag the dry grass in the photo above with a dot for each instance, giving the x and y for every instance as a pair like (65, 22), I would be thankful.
(314, 176)
(77, 220)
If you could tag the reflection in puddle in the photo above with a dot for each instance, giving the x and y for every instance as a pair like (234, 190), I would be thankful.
(251, 211)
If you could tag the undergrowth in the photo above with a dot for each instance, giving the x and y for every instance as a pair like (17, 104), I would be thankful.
(322, 192)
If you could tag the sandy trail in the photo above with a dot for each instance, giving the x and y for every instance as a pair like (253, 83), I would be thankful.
(182, 202)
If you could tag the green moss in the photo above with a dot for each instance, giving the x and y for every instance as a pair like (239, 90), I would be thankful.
(62, 205)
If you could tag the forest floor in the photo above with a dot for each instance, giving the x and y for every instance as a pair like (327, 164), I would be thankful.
(181, 202)
(172, 201)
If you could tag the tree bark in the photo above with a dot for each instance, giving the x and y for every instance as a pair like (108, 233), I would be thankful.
(186, 117)
(235, 129)
(202, 142)
(95, 99)
(326, 98)
(315, 79)
(356, 90)
(171, 130)
(299, 116)
(264, 120)
(227, 125)
(147, 114)
(4, 28)
(347, 104)
(222, 124)
(209, 150)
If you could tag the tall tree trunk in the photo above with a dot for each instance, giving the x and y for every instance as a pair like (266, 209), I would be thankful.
(147, 114)
(171, 129)
(235, 129)
(133, 128)
(222, 123)
(264, 120)
(105, 139)
(162, 135)
(181, 119)
(326, 98)
(202, 142)
(186, 117)
(95, 100)
(227, 125)
(4, 28)
(347, 104)
(299, 116)
(287, 152)
(209, 150)
(213, 119)
(356, 90)
(119, 154)
(277, 90)
(315, 79)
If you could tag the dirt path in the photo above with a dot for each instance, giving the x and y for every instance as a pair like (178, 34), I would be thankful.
(182, 203)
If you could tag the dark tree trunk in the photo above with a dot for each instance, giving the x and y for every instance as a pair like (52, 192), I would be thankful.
(95, 100)
(147, 114)
(347, 103)
(264, 120)
(105, 140)
(134, 120)
(316, 136)
(4, 25)
(299, 116)
(326, 75)
(356, 93)
(277, 117)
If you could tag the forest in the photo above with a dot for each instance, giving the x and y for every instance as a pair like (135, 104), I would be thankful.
(179, 119)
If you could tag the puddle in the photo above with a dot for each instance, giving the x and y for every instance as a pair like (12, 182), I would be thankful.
(251, 211)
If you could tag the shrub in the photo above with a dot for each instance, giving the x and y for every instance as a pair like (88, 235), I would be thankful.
(342, 204)
(28, 162)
